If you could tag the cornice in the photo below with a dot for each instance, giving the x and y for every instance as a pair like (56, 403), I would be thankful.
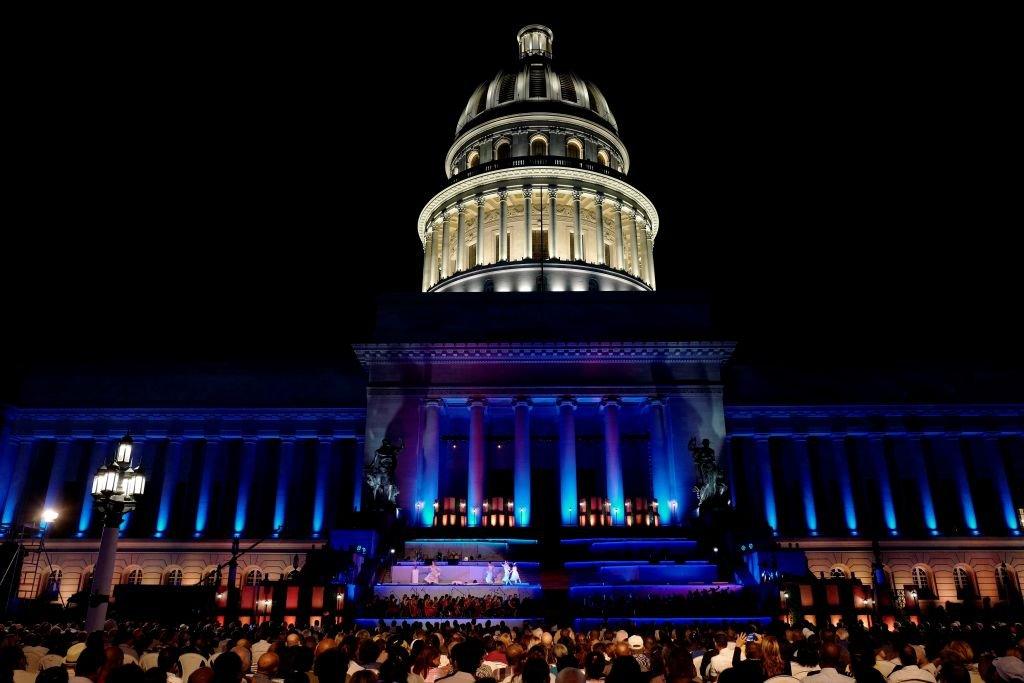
(750, 412)
(539, 352)
(526, 174)
(153, 545)
(893, 545)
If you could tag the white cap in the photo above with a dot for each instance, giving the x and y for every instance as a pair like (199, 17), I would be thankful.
(636, 642)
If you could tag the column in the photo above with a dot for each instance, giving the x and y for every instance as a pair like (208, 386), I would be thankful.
(502, 230)
(577, 196)
(567, 459)
(18, 476)
(527, 237)
(247, 469)
(661, 479)
(917, 465)
(620, 246)
(599, 236)
(949, 446)
(210, 456)
(876, 450)
(649, 240)
(431, 458)
(802, 462)
(55, 488)
(763, 458)
(991, 461)
(284, 474)
(446, 247)
(435, 258)
(636, 245)
(841, 467)
(552, 202)
(324, 455)
(475, 495)
(357, 474)
(612, 457)
(521, 485)
(8, 455)
(460, 241)
(479, 230)
(172, 463)
(426, 260)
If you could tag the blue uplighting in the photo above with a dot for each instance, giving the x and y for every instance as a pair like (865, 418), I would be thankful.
(242, 503)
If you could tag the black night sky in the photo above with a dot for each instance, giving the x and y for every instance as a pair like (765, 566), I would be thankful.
(198, 193)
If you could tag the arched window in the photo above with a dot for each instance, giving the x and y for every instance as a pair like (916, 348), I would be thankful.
(253, 577)
(574, 149)
(837, 572)
(292, 573)
(502, 149)
(538, 146)
(963, 579)
(473, 159)
(133, 577)
(921, 578)
(210, 577)
(602, 156)
(173, 578)
(1006, 582)
(592, 285)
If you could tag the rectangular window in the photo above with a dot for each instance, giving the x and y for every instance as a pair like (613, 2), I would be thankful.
(572, 247)
(497, 247)
(470, 255)
(608, 254)
(540, 244)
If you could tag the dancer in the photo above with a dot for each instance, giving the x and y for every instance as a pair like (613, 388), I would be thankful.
(434, 575)
(506, 573)
(515, 573)
(489, 576)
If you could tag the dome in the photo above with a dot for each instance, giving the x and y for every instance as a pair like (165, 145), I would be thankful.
(536, 86)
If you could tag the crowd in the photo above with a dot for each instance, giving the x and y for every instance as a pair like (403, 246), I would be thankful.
(714, 600)
(496, 653)
(448, 606)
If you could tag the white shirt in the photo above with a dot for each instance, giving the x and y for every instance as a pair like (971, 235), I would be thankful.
(911, 673)
(722, 661)
(352, 667)
(830, 675)
(884, 667)
(800, 671)
(259, 648)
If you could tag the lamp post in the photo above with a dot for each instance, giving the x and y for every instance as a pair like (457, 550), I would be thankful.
(116, 488)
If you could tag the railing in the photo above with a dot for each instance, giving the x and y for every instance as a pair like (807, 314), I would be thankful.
(518, 162)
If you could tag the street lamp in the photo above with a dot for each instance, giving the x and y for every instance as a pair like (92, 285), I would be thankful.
(116, 488)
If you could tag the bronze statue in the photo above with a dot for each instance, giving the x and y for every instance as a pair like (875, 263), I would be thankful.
(380, 475)
(710, 487)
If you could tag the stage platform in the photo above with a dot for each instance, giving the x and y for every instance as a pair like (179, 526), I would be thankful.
(483, 548)
(587, 623)
(521, 591)
(512, 622)
(465, 572)
(620, 572)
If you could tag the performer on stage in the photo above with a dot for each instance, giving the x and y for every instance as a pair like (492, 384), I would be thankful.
(489, 576)
(515, 573)
(506, 573)
(434, 575)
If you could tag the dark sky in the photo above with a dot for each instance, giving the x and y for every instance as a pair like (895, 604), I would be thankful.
(237, 190)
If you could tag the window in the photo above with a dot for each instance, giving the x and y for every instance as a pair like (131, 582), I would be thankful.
(502, 150)
(567, 87)
(1005, 582)
(173, 578)
(837, 572)
(592, 285)
(253, 577)
(470, 255)
(920, 579)
(607, 254)
(473, 159)
(963, 578)
(537, 86)
(538, 146)
(210, 578)
(574, 149)
(134, 577)
(507, 89)
(540, 244)
(602, 156)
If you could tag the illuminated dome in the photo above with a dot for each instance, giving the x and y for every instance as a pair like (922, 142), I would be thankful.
(538, 195)
(536, 86)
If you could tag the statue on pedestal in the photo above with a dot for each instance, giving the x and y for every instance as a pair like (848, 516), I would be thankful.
(710, 487)
(380, 475)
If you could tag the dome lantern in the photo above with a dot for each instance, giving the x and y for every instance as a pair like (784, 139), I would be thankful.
(535, 41)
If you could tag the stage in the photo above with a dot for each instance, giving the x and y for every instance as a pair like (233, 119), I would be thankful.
(462, 572)
(521, 591)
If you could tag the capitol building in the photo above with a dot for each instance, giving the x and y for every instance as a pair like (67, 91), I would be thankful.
(540, 392)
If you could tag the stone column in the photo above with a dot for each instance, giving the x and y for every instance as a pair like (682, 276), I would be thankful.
(210, 454)
(284, 475)
(172, 463)
(446, 245)
(460, 242)
(661, 477)
(636, 245)
(475, 494)
(916, 464)
(612, 457)
(55, 488)
(577, 196)
(949, 445)
(18, 476)
(802, 463)
(521, 406)
(649, 238)
(599, 236)
(426, 260)
(357, 473)
(567, 459)
(8, 450)
(841, 466)
(991, 462)
(763, 458)
(435, 257)
(502, 230)
(324, 456)
(552, 202)
(431, 458)
(620, 245)
(876, 449)
(479, 230)
(527, 235)
(247, 469)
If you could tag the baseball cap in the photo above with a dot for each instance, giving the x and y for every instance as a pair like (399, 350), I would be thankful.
(636, 642)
